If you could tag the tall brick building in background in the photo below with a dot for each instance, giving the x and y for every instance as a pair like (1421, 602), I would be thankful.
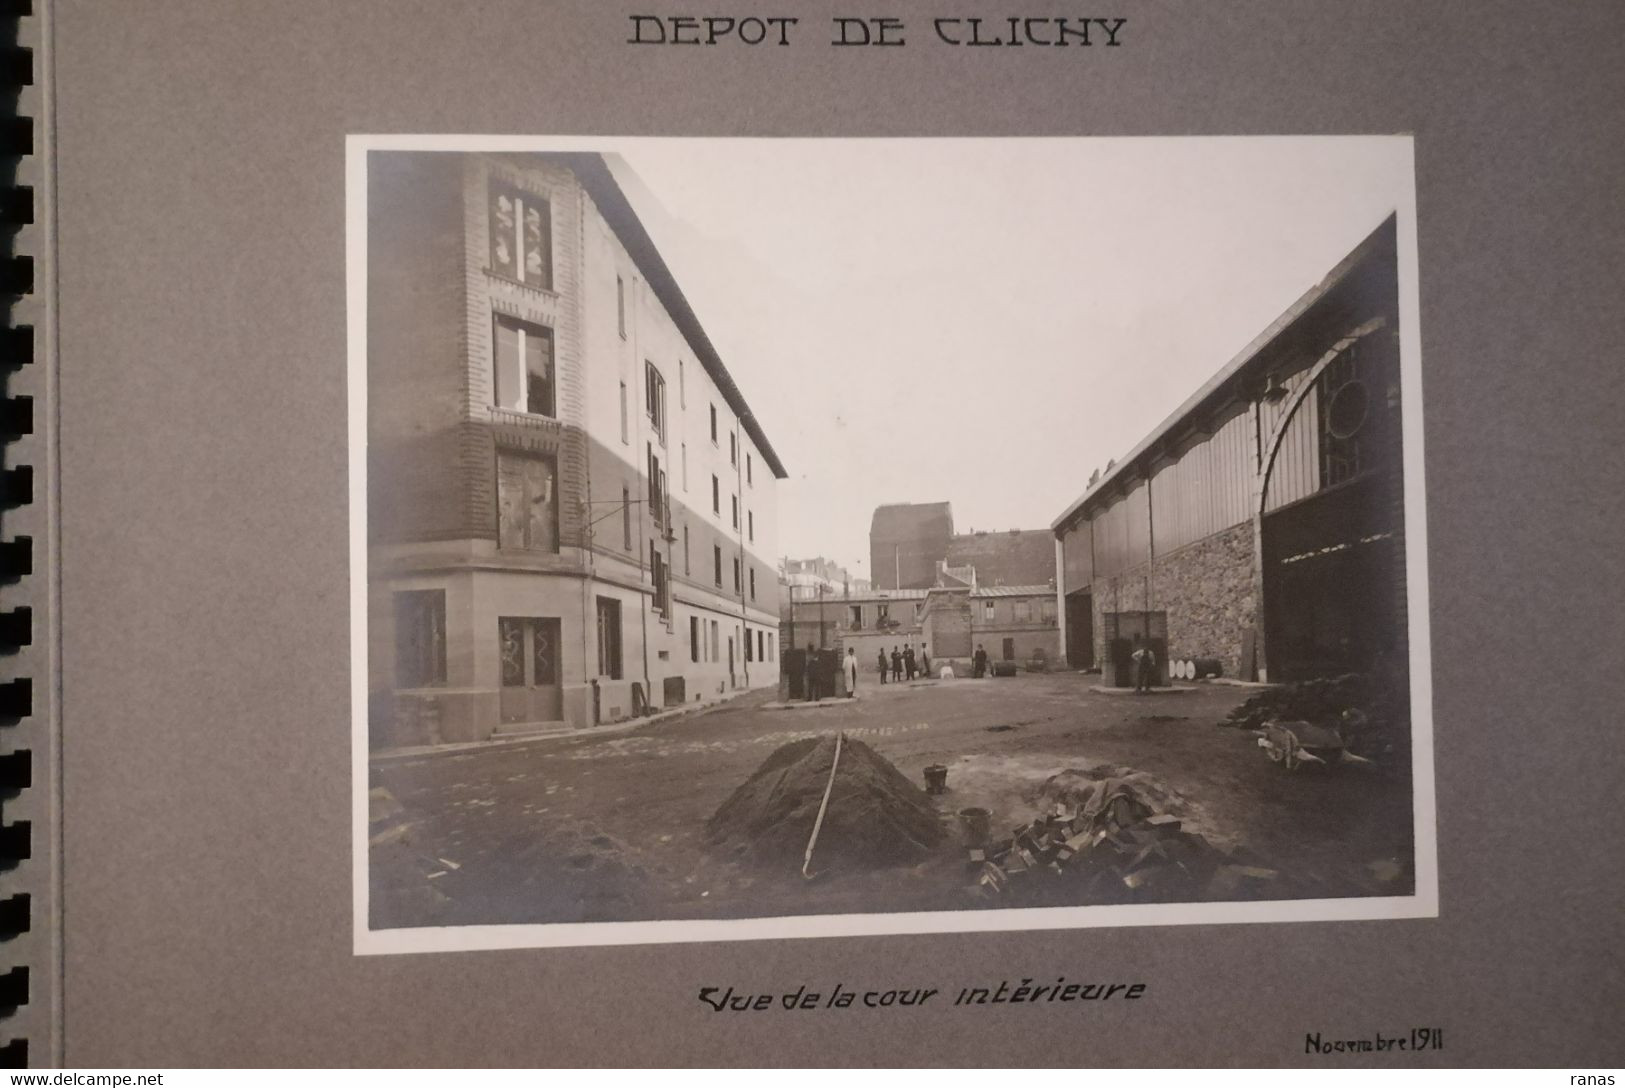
(907, 541)
(1262, 525)
(571, 507)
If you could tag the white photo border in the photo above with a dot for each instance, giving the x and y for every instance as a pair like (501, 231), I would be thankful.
(1422, 903)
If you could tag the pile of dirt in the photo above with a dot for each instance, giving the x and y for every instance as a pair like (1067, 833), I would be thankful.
(876, 816)
(1112, 835)
(1370, 710)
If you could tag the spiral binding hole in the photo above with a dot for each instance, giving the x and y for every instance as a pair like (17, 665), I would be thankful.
(17, 420)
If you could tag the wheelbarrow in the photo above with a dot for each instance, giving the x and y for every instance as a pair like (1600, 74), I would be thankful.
(1295, 743)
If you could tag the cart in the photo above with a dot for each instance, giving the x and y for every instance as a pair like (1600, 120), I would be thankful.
(1296, 743)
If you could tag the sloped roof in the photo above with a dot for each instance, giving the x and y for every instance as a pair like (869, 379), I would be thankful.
(1011, 557)
(1380, 244)
(595, 176)
(877, 596)
(1014, 591)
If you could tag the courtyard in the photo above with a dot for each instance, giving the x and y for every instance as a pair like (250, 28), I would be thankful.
(611, 826)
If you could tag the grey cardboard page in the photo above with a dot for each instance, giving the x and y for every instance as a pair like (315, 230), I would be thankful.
(208, 681)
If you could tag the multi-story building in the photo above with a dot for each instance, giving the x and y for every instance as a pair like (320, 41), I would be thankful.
(806, 579)
(1013, 623)
(571, 506)
(907, 541)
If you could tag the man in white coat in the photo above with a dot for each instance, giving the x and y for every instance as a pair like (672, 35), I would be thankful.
(851, 665)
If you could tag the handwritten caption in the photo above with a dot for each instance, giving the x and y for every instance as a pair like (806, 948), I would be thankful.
(841, 996)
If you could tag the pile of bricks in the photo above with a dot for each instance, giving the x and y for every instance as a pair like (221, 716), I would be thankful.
(1121, 851)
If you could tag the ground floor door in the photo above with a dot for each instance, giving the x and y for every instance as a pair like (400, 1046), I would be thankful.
(531, 675)
(1080, 631)
(1334, 584)
(1123, 631)
(1009, 649)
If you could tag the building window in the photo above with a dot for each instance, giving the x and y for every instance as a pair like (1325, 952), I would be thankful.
(657, 487)
(654, 397)
(688, 568)
(609, 638)
(694, 638)
(733, 448)
(682, 385)
(750, 523)
(749, 476)
(1024, 612)
(685, 468)
(420, 638)
(626, 518)
(713, 424)
(882, 615)
(522, 366)
(753, 583)
(1348, 412)
(521, 227)
(527, 502)
(1046, 610)
(620, 306)
(770, 649)
(626, 430)
(856, 619)
(750, 654)
(716, 636)
(987, 611)
(716, 495)
(717, 555)
(736, 576)
(736, 511)
(761, 646)
(661, 579)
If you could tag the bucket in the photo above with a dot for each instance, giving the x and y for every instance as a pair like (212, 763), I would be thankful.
(936, 778)
(978, 823)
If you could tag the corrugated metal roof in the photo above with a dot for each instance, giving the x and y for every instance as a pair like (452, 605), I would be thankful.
(867, 597)
(1013, 591)
(1377, 241)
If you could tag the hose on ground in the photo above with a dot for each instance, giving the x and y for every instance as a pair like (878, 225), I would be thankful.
(806, 861)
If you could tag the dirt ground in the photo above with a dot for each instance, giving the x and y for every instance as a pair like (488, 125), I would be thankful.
(612, 827)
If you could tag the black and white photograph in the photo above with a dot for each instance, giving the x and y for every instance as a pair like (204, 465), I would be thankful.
(759, 538)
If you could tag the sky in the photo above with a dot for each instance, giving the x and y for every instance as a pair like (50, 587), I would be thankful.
(986, 321)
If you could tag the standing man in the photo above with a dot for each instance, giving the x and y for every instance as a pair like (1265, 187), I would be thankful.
(908, 661)
(851, 673)
(884, 668)
(809, 675)
(979, 662)
(1145, 666)
(896, 666)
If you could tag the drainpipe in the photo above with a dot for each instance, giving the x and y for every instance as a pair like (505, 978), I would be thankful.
(744, 555)
(643, 604)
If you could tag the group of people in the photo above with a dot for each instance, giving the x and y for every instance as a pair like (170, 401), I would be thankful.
(904, 664)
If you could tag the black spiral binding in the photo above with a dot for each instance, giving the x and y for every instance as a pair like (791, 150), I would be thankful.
(18, 715)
